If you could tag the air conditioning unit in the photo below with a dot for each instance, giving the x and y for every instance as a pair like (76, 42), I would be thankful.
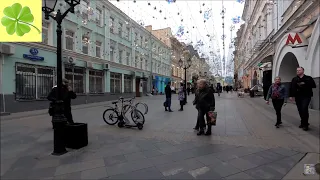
(89, 65)
(106, 66)
(7, 49)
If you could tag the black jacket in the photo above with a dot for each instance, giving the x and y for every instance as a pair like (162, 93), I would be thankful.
(167, 91)
(204, 99)
(66, 96)
(303, 90)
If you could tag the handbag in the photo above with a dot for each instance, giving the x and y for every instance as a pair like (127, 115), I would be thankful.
(213, 117)
(165, 104)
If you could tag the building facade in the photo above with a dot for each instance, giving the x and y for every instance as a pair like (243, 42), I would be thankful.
(176, 71)
(105, 55)
(278, 37)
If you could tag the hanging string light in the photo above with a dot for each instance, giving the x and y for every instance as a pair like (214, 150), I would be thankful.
(223, 37)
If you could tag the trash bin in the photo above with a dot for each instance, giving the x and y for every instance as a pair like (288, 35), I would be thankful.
(76, 135)
(252, 93)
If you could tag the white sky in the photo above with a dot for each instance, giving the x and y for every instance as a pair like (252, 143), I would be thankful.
(189, 11)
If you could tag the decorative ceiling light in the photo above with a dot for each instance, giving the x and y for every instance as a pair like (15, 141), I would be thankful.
(200, 11)
(160, 11)
(204, 21)
(118, 0)
(149, 4)
(193, 27)
(165, 18)
(181, 20)
(155, 8)
(203, 4)
(178, 13)
(134, 1)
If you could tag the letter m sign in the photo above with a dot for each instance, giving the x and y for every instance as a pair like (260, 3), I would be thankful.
(292, 41)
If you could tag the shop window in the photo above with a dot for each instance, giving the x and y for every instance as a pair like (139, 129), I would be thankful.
(127, 84)
(77, 77)
(115, 82)
(96, 78)
(33, 82)
(69, 37)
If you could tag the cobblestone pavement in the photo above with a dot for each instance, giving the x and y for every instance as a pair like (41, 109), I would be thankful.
(244, 145)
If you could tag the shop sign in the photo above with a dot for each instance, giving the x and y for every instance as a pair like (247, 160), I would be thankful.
(294, 40)
(33, 55)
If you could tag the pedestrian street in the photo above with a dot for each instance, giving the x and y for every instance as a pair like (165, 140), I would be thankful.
(244, 144)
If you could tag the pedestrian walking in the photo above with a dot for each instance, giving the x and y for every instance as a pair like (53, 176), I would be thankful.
(301, 92)
(205, 102)
(67, 94)
(188, 90)
(168, 97)
(279, 94)
(181, 96)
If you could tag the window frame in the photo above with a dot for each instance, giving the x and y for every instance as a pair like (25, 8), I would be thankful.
(120, 27)
(98, 47)
(112, 51)
(47, 29)
(66, 36)
(113, 79)
(85, 44)
(111, 24)
(73, 74)
(35, 78)
(99, 22)
(93, 74)
(127, 84)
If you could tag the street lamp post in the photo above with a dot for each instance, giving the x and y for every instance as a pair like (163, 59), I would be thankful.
(58, 119)
(185, 65)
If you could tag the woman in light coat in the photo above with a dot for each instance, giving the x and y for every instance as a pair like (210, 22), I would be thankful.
(181, 96)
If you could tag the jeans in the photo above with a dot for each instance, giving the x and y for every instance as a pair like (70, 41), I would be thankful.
(277, 105)
(303, 108)
(168, 103)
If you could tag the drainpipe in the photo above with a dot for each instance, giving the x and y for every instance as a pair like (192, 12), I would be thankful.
(1, 85)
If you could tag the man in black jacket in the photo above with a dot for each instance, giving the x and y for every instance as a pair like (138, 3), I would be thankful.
(204, 102)
(301, 91)
(168, 92)
(67, 94)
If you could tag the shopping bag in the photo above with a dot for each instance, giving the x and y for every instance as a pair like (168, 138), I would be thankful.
(213, 117)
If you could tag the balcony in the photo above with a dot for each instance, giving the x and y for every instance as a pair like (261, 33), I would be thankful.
(257, 46)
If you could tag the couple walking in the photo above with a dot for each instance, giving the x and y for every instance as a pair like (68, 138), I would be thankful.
(181, 97)
(300, 91)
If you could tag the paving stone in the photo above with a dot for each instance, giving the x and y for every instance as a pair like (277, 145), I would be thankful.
(108, 161)
(283, 151)
(224, 169)
(169, 149)
(255, 159)
(182, 155)
(17, 174)
(148, 173)
(204, 173)
(163, 159)
(239, 176)
(81, 166)
(170, 169)
(146, 145)
(283, 166)
(128, 167)
(46, 163)
(242, 164)
(264, 172)
(135, 156)
(6, 164)
(96, 173)
(163, 144)
(186, 146)
(26, 162)
(183, 175)
(42, 173)
(237, 152)
(209, 159)
(270, 155)
(151, 153)
(73, 176)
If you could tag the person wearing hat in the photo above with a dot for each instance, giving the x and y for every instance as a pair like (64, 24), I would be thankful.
(67, 94)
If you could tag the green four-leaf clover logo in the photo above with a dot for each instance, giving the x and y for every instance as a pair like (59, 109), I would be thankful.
(18, 20)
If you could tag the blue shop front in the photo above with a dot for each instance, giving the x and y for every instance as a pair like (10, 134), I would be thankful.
(160, 82)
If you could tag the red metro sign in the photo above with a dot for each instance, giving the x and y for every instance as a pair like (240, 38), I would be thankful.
(294, 41)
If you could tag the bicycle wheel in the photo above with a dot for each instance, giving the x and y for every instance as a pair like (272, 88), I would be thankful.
(110, 116)
(137, 116)
(143, 107)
